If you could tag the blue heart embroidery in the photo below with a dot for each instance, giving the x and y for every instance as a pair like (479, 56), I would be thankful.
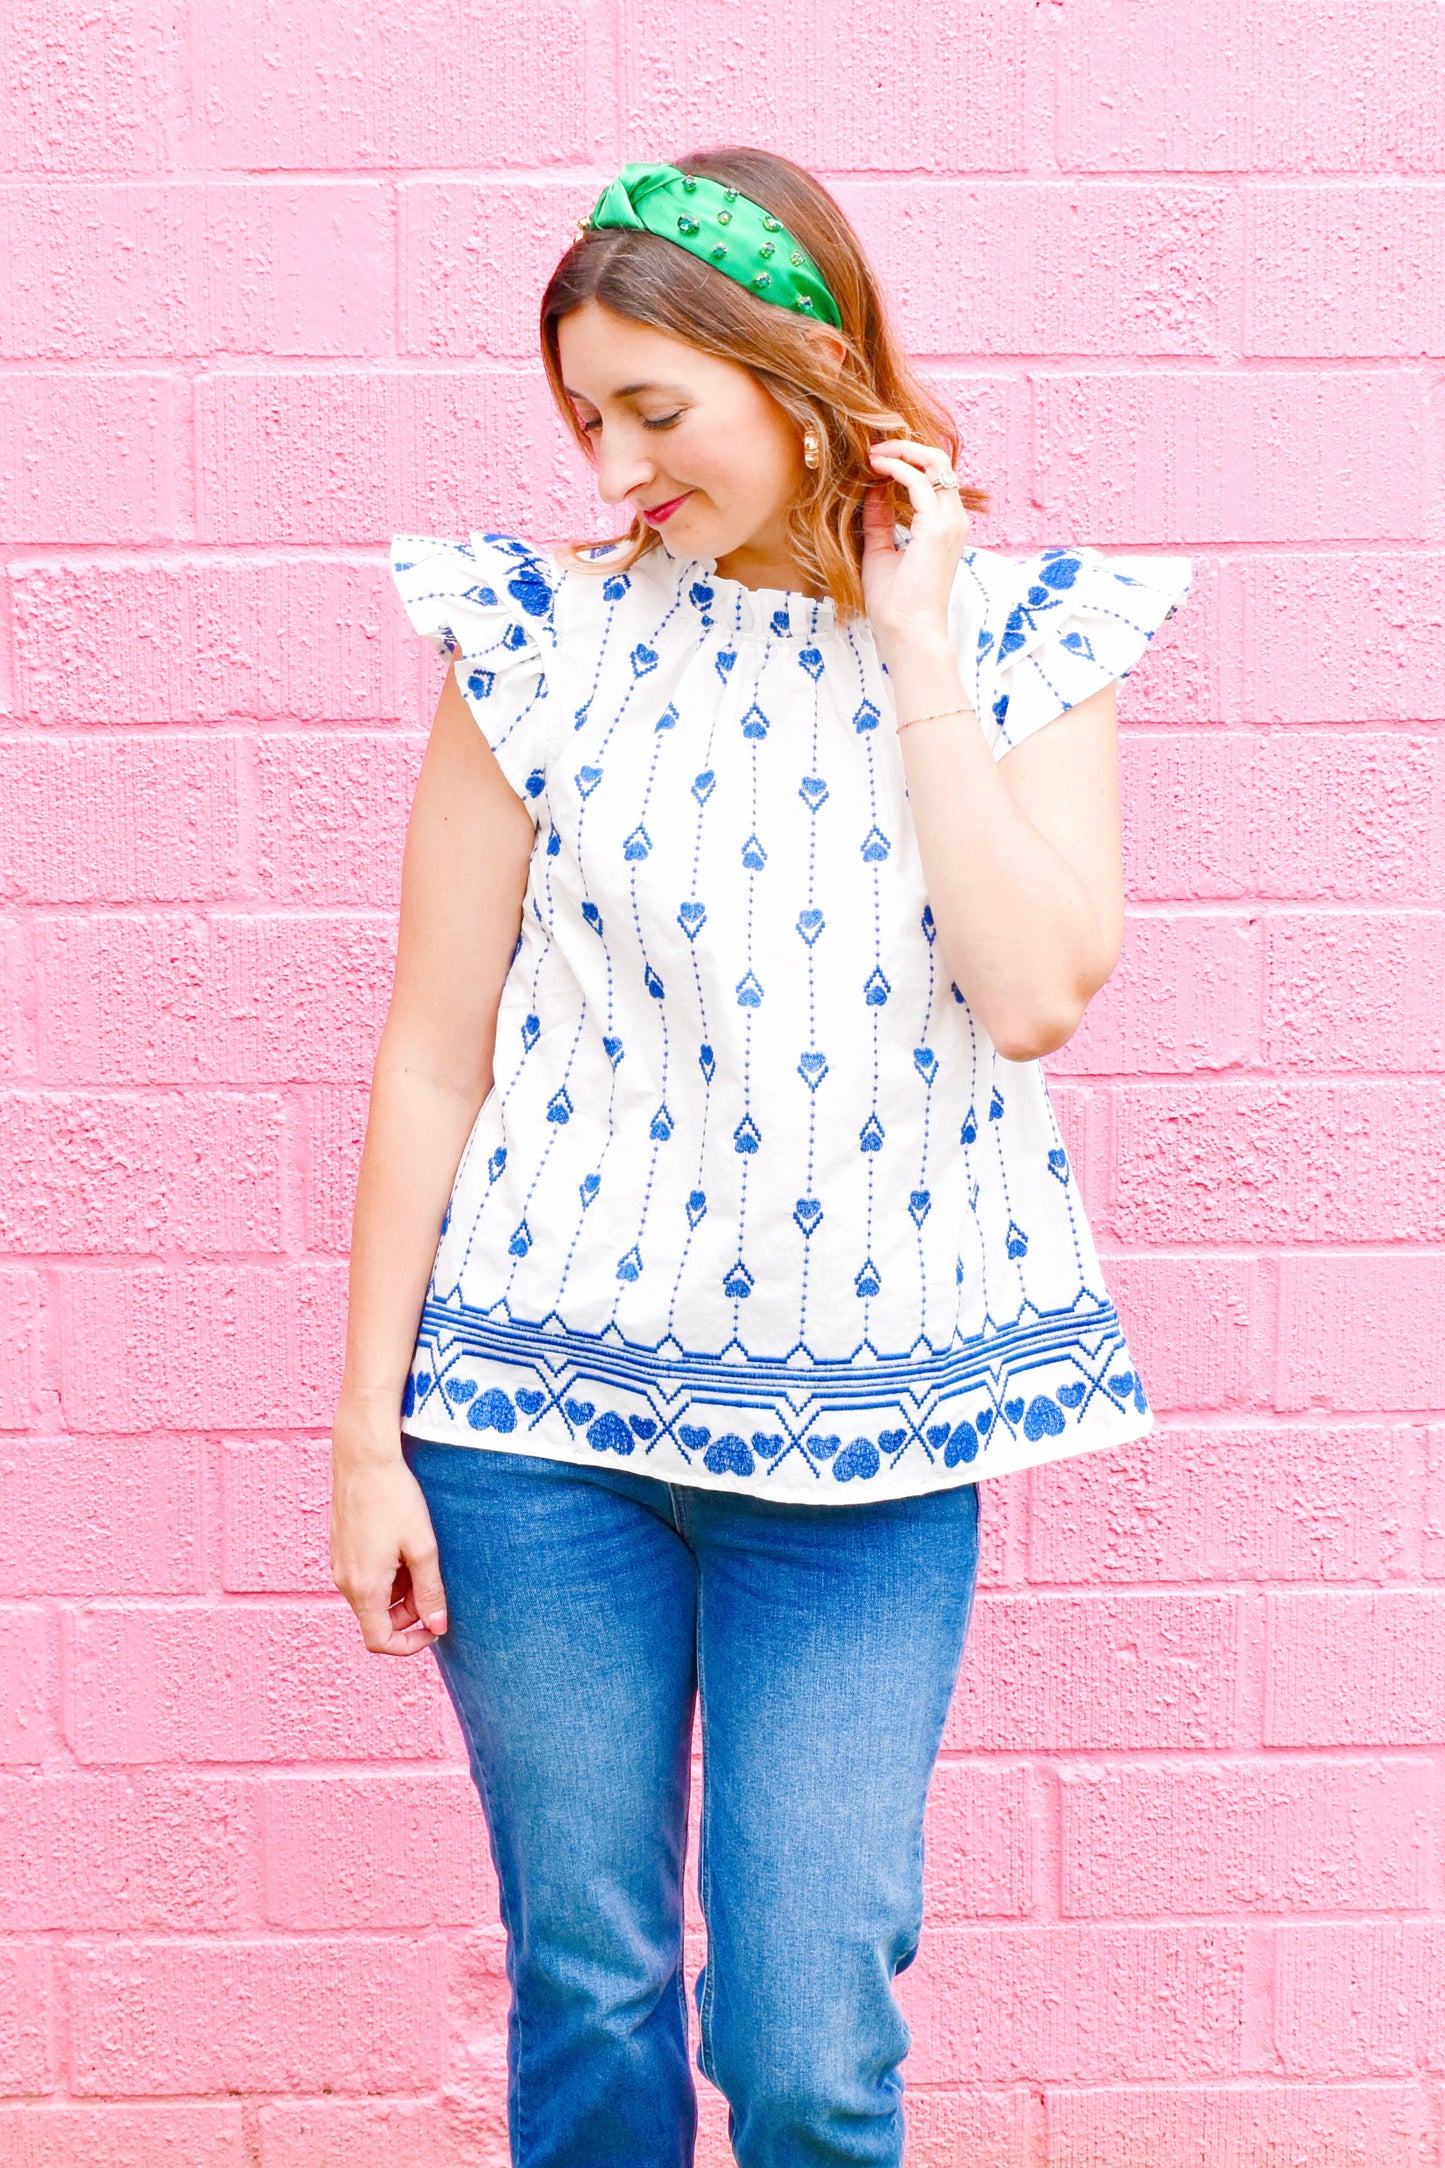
(1013, 1409)
(963, 1445)
(494, 1411)
(729, 1455)
(858, 1459)
(609, 1434)
(1043, 1419)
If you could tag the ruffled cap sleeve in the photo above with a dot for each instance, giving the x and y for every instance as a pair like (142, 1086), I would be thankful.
(1049, 629)
(490, 604)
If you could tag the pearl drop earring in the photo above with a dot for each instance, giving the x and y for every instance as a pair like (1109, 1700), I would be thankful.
(812, 448)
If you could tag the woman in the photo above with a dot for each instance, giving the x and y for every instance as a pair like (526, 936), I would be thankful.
(711, 1189)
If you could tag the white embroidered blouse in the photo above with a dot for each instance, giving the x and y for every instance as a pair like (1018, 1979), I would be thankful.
(754, 1202)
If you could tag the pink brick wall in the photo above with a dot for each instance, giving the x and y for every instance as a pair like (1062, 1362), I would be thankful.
(272, 268)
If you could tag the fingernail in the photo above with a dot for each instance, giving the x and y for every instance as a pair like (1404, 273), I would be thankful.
(437, 1621)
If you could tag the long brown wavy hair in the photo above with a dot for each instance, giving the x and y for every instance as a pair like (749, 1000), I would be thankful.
(874, 394)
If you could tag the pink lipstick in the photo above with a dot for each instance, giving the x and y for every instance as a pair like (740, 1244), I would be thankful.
(657, 513)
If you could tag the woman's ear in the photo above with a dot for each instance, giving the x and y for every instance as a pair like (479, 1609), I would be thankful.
(831, 345)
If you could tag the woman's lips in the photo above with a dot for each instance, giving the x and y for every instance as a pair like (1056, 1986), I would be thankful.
(657, 513)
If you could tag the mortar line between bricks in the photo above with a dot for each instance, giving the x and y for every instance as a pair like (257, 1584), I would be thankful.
(285, 1251)
(1354, 180)
(1247, 2083)
(1174, 1424)
(19, 557)
(309, 1768)
(990, 1923)
(1180, 1761)
(1042, 366)
(33, 728)
(312, 1600)
(393, 200)
(1104, 1592)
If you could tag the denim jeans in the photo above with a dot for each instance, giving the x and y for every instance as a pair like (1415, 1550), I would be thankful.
(587, 1607)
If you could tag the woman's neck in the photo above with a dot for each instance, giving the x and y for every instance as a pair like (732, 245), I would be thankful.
(757, 569)
(764, 562)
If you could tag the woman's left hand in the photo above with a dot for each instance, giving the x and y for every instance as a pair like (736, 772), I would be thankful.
(906, 591)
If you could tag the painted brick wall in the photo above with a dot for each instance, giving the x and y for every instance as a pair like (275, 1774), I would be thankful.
(272, 270)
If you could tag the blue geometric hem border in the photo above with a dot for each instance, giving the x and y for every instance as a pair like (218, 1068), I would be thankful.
(1041, 1388)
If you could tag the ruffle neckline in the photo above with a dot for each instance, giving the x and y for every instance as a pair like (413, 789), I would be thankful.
(756, 608)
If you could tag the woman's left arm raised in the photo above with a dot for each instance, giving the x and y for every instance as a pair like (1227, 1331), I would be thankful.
(1022, 858)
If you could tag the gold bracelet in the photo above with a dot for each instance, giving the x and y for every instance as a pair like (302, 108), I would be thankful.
(942, 716)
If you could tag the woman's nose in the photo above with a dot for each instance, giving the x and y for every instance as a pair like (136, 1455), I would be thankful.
(621, 469)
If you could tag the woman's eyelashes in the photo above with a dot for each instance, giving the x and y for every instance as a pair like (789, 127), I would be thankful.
(660, 421)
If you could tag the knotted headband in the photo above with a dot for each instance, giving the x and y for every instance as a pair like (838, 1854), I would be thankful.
(722, 228)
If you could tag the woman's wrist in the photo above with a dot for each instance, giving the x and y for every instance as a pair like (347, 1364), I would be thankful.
(924, 680)
(367, 1422)
(918, 645)
(963, 713)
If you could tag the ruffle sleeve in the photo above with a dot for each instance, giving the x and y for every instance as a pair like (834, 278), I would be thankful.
(1049, 629)
(490, 604)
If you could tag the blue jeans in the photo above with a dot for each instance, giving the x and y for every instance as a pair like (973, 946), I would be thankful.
(586, 1607)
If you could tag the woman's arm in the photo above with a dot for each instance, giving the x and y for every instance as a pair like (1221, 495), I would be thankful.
(464, 873)
(1022, 857)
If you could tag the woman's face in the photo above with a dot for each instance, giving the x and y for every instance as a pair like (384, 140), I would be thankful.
(690, 441)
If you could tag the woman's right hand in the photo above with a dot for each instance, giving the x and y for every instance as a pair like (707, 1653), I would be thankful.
(383, 1550)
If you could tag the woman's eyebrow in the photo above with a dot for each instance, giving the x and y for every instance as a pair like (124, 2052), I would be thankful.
(626, 391)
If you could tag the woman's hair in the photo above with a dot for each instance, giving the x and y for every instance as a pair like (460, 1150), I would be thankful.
(874, 394)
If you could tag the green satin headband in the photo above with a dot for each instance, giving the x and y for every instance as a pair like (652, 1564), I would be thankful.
(722, 228)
